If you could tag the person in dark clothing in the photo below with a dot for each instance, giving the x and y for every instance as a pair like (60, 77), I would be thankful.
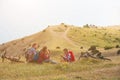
(100, 56)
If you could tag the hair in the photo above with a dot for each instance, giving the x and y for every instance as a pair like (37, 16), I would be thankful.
(65, 49)
(34, 44)
(44, 48)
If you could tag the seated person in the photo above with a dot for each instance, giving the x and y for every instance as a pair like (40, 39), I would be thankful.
(44, 56)
(93, 51)
(31, 53)
(69, 56)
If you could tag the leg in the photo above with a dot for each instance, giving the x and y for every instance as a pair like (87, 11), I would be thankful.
(107, 59)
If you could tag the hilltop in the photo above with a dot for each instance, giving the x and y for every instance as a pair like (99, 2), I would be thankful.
(62, 36)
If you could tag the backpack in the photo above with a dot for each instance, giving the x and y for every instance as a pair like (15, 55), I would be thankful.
(36, 56)
(72, 56)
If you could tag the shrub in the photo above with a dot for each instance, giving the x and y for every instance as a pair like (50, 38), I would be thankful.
(81, 47)
(48, 26)
(57, 47)
(3, 43)
(118, 52)
(117, 39)
(44, 30)
(14, 43)
(105, 34)
(117, 46)
(95, 35)
(62, 24)
(86, 26)
(65, 26)
(108, 47)
(84, 35)
(22, 39)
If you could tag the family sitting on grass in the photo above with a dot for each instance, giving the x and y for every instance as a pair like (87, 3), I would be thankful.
(44, 55)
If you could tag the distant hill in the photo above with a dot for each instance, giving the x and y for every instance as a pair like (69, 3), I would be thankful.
(66, 36)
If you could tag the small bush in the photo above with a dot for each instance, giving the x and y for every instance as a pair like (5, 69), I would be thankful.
(84, 35)
(105, 34)
(81, 47)
(86, 26)
(57, 47)
(118, 52)
(62, 24)
(23, 39)
(3, 43)
(65, 26)
(95, 35)
(44, 30)
(48, 26)
(14, 43)
(117, 39)
(108, 47)
(117, 46)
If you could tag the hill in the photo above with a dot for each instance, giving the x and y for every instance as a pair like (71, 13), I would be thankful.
(66, 36)
(56, 38)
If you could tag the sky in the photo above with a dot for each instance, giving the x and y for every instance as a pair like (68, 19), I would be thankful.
(19, 18)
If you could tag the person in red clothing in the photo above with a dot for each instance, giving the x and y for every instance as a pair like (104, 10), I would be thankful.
(44, 56)
(69, 56)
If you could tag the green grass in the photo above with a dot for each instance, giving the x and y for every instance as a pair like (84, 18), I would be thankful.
(61, 71)
(95, 36)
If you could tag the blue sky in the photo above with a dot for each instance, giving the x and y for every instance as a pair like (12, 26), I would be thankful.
(19, 18)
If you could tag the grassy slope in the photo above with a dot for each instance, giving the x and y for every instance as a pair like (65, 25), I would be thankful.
(66, 36)
(100, 37)
(55, 36)
(86, 69)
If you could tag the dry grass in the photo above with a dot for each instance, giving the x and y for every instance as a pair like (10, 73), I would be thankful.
(85, 69)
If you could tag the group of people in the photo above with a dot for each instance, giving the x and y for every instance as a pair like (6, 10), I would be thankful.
(44, 55)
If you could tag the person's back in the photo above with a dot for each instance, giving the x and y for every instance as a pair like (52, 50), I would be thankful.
(31, 53)
(69, 56)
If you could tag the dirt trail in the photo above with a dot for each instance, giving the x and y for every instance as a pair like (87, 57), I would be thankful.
(66, 38)
(63, 35)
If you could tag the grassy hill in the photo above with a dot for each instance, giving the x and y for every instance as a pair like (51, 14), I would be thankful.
(100, 37)
(65, 36)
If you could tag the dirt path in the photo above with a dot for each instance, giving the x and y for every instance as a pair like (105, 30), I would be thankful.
(63, 35)
(66, 38)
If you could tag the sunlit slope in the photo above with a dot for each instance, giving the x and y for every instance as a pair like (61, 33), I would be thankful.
(100, 37)
(65, 36)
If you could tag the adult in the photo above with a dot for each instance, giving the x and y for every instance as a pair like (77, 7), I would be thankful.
(31, 53)
(44, 56)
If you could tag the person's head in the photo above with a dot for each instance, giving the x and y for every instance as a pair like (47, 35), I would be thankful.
(65, 50)
(92, 48)
(44, 48)
(35, 45)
